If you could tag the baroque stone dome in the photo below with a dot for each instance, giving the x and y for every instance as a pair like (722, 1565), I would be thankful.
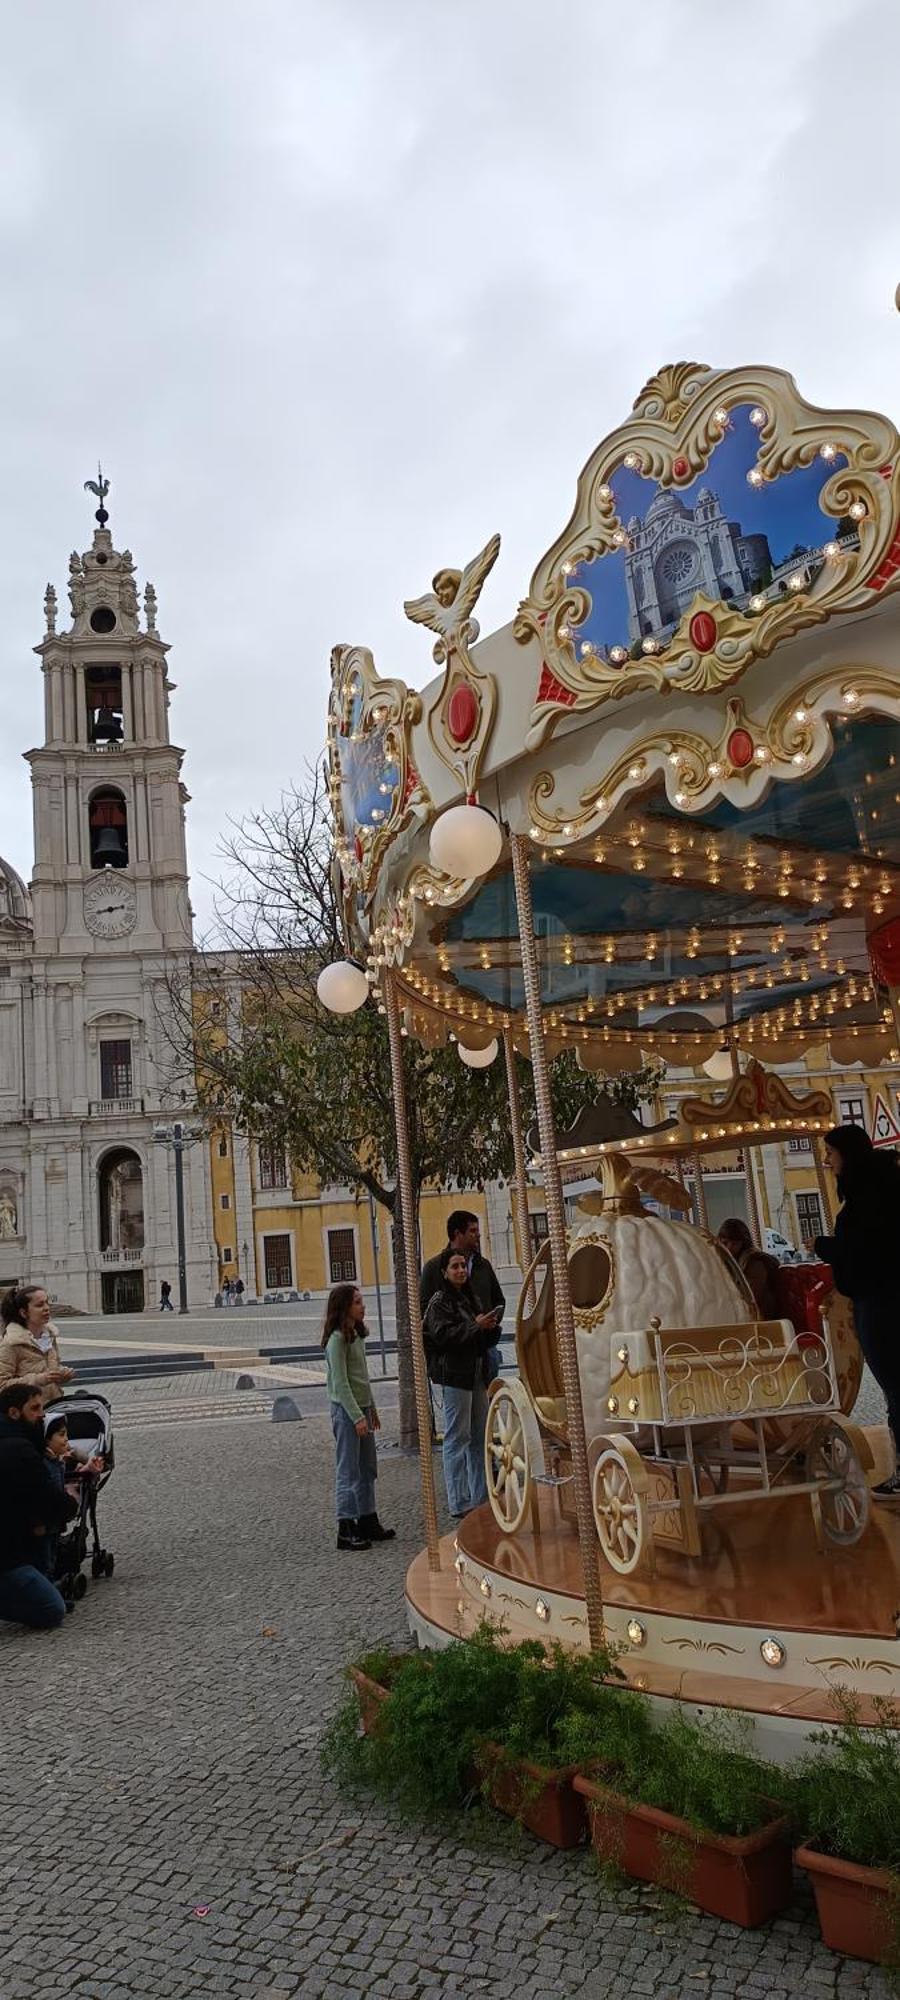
(15, 901)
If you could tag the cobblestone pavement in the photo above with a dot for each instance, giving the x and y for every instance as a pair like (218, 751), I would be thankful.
(161, 1758)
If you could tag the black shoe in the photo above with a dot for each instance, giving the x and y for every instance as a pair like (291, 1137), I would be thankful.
(889, 1488)
(369, 1524)
(349, 1536)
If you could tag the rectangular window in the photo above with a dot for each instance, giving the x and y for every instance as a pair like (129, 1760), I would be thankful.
(227, 1257)
(277, 1255)
(809, 1217)
(225, 1200)
(852, 1110)
(272, 1167)
(342, 1256)
(537, 1223)
(798, 1146)
(115, 1069)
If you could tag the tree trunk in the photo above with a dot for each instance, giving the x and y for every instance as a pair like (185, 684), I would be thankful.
(409, 1430)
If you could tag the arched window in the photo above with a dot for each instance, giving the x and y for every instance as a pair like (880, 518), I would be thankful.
(121, 1201)
(108, 829)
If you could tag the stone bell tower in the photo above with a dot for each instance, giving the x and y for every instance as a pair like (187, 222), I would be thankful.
(112, 944)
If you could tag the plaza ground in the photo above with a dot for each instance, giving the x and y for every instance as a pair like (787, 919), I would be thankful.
(161, 1755)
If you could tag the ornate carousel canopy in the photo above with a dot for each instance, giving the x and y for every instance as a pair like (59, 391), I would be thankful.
(694, 718)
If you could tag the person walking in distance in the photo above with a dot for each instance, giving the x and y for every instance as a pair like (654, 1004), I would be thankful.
(354, 1420)
(464, 1235)
(165, 1297)
(457, 1338)
(863, 1256)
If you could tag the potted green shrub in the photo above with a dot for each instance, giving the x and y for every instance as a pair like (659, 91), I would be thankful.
(372, 1677)
(692, 1809)
(529, 1764)
(847, 1804)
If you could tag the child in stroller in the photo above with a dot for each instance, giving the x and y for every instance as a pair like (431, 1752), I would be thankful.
(79, 1446)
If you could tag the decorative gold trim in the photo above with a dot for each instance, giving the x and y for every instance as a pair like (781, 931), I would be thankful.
(447, 610)
(856, 1664)
(680, 418)
(704, 1646)
(388, 706)
(757, 1094)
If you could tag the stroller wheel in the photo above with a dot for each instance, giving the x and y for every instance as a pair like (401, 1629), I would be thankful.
(79, 1586)
(98, 1565)
(109, 1563)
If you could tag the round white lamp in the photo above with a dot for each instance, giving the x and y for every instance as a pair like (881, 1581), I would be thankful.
(465, 841)
(342, 986)
(477, 1058)
(719, 1066)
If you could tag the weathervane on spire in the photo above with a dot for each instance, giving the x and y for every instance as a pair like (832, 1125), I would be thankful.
(100, 486)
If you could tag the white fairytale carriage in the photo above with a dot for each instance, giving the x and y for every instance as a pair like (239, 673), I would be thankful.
(691, 1402)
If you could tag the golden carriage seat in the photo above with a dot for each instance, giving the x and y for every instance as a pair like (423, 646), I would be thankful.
(536, 1351)
(713, 1372)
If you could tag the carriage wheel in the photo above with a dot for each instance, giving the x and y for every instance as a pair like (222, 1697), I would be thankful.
(840, 1490)
(620, 1512)
(506, 1461)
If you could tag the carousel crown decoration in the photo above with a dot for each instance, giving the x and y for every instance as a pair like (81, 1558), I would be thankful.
(681, 564)
(757, 1100)
(461, 716)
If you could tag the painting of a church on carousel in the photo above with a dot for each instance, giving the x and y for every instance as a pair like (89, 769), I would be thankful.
(731, 534)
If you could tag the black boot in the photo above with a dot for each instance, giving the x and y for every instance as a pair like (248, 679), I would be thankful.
(370, 1525)
(349, 1536)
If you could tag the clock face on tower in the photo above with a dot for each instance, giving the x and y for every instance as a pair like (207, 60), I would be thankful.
(110, 905)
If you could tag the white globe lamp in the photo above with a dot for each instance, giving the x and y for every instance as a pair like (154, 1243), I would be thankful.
(465, 841)
(477, 1058)
(719, 1066)
(342, 986)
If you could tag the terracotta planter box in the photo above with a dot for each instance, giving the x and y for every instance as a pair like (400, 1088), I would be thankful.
(858, 1908)
(744, 1878)
(370, 1695)
(543, 1800)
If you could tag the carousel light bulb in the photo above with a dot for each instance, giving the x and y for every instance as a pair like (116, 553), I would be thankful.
(761, 754)
(620, 538)
(477, 1058)
(567, 568)
(466, 841)
(342, 986)
(757, 601)
(649, 646)
(831, 549)
(714, 770)
(721, 415)
(631, 460)
(773, 1652)
(680, 798)
(828, 452)
(857, 510)
(617, 654)
(797, 581)
(604, 492)
(851, 698)
(757, 418)
(801, 715)
(586, 648)
(564, 632)
(754, 476)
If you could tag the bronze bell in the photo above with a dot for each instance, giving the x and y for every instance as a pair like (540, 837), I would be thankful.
(107, 725)
(110, 850)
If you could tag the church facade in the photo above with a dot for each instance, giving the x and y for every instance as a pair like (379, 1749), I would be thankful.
(87, 959)
(677, 550)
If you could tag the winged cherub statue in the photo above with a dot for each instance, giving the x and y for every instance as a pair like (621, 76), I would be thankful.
(447, 609)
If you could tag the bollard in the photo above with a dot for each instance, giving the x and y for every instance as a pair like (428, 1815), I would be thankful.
(285, 1411)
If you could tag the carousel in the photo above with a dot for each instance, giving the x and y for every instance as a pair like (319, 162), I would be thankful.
(655, 817)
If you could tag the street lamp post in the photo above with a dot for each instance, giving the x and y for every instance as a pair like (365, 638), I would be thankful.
(178, 1136)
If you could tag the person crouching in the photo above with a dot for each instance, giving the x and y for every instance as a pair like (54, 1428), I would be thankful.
(354, 1420)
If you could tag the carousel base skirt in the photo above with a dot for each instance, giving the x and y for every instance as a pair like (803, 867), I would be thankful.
(694, 1629)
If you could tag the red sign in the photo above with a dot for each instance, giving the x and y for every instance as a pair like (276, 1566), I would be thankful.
(885, 1129)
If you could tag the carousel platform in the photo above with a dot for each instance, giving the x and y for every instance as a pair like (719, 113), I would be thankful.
(763, 1622)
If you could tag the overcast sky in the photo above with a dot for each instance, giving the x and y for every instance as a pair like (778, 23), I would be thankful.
(338, 289)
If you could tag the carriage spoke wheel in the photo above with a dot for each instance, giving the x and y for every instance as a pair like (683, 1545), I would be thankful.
(840, 1486)
(620, 1513)
(506, 1461)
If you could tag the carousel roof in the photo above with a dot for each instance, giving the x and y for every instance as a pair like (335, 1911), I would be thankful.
(694, 718)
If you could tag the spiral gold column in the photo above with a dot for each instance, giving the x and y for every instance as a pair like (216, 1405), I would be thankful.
(700, 1192)
(556, 1231)
(408, 1218)
(521, 1224)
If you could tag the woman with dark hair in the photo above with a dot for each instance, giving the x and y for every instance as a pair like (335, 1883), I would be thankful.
(457, 1338)
(28, 1349)
(863, 1256)
(354, 1420)
(760, 1270)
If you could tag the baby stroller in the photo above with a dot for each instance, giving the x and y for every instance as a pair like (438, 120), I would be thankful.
(89, 1424)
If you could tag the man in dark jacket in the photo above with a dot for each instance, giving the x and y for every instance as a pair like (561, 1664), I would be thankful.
(30, 1509)
(464, 1234)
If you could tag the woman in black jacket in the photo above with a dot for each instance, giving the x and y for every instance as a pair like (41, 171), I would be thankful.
(457, 1337)
(863, 1256)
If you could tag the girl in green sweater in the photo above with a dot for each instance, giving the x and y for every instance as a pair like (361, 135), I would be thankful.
(354, 1420)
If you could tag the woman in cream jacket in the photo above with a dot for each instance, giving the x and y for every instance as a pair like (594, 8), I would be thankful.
(28, 1349)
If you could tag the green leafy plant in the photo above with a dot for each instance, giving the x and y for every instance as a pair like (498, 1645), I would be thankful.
(703, 1771)
(847, 1800)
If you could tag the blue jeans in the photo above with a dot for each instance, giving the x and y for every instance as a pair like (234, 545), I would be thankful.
(355, 1468)
(877, 1324)
(465, 1415)
(28, 1598)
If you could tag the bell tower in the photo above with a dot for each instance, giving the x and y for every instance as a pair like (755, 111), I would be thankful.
(110, 955)
(110, 860)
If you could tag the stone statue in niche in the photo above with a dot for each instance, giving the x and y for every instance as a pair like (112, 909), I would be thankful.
(9, 1220)
(150, 607)
(50, 610)
(76, 584)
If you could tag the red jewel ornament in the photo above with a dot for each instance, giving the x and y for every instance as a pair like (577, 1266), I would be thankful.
(884, 953)
(740, 749)
(680, 467)
(462, 714)
(702, 629)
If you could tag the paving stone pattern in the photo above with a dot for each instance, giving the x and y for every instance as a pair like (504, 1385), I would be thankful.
(161, 1755)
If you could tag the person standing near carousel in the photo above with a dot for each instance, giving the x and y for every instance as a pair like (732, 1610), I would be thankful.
(862, 1254)
(29, 1349)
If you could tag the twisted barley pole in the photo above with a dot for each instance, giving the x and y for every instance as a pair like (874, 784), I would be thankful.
(408, 1219)
(556, 1231)
(520, 1184)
